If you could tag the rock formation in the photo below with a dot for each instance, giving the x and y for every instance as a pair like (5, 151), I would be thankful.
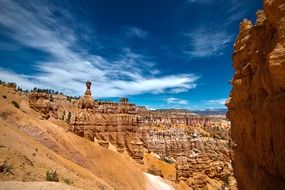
(195, 150)
(105, 122)
(198, 145)
(257, 101)
(40, 102)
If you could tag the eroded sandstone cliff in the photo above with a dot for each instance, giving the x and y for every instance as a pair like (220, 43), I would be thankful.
(197, 148)
(257, 101)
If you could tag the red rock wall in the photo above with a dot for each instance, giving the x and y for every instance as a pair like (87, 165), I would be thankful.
(257, 101)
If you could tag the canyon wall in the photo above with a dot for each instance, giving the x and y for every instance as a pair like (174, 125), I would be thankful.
(199, 155)
(199, 146)
(257, 100)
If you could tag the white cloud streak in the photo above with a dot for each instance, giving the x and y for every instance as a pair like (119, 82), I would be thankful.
(204, 43)
(220, 101)
(173, 100)
(210, 40)
(137, 32)
(235, 11)
(35, 25)
(201, 1)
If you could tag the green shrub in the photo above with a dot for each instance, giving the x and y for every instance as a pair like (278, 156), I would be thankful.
(51, 98)
(63, 115)
(52, 176)
(167, 160)
(4, 96)
(67, 181)
(6, 168)
(15, 104)
(68, 117)
(226, 182)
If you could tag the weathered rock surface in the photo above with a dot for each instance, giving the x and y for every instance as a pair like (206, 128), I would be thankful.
(104, 122)
(257, 101)
(198, 145)
(40, 102)
(195, 152)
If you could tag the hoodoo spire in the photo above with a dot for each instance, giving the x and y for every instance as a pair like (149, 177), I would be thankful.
(88, 88)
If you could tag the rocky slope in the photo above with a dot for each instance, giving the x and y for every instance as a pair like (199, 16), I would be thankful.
(182, 147)
(257, 101)
(30, 146)
(11, 185)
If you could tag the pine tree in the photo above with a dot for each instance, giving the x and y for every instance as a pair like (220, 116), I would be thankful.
(51, 98)
(68, 117)
(63, 115)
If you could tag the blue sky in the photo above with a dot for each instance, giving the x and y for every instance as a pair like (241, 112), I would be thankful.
(161, 54)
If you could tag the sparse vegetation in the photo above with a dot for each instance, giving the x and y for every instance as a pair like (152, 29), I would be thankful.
(52, 176)
(167, 160)
(51, 98)
(67, 181)
(15, 104)
(226, 182)
(6, 168)
(4, 96)
(68, 117)
(63, 115)
(11, 85)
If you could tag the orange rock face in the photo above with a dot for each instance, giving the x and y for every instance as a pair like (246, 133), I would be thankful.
(40, 102)
(108, 122)
(257, 101)
(198, 145)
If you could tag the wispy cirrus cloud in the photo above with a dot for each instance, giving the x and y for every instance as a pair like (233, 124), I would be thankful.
(136, 32)
(210, 40)
(68, 64)
(205, 43)
(201, 1)
(179, 101)
(220, 101)
(235, 11)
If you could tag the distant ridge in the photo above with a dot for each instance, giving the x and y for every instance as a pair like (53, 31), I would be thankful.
(194, 112)
(171, 110)
(211, 112)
